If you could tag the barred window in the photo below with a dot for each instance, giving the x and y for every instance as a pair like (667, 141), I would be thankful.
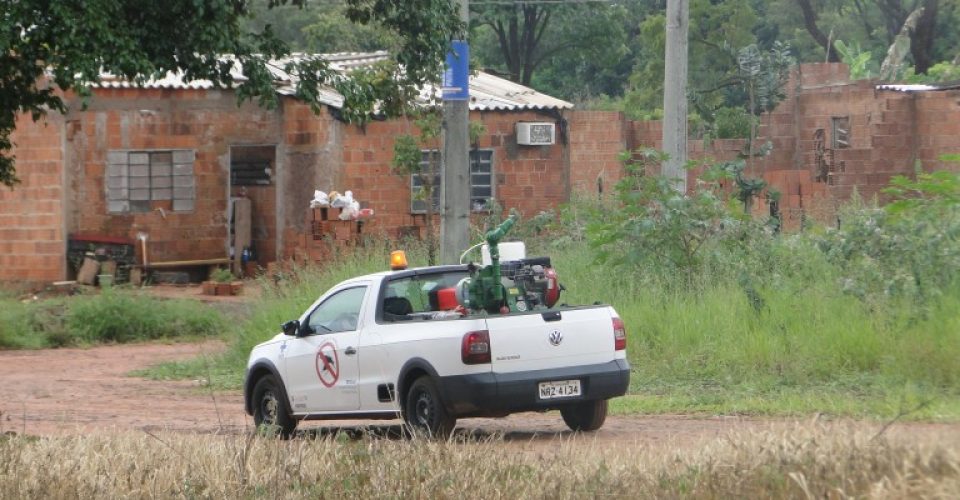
(481, 181)
(137, 178)
(841, 132)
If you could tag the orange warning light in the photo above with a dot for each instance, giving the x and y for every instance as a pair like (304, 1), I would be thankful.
(398, 260)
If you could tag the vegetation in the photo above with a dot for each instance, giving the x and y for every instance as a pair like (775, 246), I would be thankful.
(724, 314)
(803, 462)
(222, 275)
(115, 315)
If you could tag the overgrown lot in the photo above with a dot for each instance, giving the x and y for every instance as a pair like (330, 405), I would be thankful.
(725, 314)
(806, 462)
(116, 315)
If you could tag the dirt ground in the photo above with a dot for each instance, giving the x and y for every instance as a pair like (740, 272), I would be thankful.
(67, 391)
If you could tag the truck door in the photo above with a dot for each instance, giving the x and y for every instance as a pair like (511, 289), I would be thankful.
(321, 365)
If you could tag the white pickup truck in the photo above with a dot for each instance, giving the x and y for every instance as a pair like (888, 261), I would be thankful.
(374, 347)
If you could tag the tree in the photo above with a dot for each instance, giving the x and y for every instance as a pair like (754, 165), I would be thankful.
(880, 22)
(321, 27)
(714, 27)
(522, 37)
(51, 46)
(811, 24)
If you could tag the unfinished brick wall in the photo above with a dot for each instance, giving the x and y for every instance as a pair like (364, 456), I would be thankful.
(597, 138)
(938, 128)
(32, 234)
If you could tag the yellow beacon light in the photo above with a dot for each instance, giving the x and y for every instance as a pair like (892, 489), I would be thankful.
(398, 260)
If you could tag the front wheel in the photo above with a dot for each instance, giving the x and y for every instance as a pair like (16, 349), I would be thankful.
(270, 411)
(424, 410)
(586, 416)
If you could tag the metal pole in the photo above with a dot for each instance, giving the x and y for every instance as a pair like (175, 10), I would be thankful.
(675, 94)
(455, 195)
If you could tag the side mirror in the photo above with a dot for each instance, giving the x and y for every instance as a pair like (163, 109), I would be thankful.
(291, 327)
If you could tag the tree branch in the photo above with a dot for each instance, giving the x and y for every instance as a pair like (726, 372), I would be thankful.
(810, 22)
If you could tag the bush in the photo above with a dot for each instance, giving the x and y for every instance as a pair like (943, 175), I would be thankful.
(733, 123)
(125, 317)
(112, 316)
(910, 248)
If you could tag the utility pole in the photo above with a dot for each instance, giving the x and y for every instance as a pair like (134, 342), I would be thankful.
(455, 193)
(675, 93)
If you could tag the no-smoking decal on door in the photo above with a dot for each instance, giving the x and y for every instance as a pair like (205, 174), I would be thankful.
(328, 364)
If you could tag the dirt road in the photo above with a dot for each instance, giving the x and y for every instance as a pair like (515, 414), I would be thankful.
(66, 391)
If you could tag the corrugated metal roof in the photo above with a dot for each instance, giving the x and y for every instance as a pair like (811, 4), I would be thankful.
(918, 87)
(487, 92)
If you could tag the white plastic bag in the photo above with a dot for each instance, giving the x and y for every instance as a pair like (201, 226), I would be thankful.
(342, 201)
(351, 211)
(320, 199)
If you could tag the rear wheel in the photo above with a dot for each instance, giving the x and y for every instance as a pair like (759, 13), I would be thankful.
(270, 411)
(586, 416)
(424, 411)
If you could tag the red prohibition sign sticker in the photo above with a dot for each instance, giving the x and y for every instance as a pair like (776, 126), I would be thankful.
(328, 364)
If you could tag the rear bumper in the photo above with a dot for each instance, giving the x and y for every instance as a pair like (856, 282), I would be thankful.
(503, 393)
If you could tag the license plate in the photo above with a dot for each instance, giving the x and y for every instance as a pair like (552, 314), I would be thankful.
(559, 389)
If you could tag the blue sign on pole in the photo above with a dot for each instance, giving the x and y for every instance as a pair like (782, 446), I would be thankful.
(456, 75)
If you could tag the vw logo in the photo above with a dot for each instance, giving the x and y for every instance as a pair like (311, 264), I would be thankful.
(555, 337)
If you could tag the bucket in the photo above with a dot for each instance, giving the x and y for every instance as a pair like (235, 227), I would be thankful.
(105, 280)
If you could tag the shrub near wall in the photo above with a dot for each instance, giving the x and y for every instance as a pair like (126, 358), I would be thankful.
(112, 316)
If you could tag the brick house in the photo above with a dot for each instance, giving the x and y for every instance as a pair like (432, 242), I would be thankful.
(165, 161)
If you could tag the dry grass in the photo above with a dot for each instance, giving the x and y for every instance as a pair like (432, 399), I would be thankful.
(805, 462)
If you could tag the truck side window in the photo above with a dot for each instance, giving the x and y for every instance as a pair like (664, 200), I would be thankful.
(339, 313)
(415, 296)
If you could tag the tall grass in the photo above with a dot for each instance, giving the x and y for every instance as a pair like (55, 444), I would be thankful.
(800, 345)
(805, 462)
(770, 328)
(112, 316)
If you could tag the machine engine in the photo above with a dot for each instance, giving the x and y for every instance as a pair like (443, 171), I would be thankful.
(530, 284)
(514, 285)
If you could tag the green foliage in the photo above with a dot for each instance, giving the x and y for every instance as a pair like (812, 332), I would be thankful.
(714, 28)
(860, 62)
(763, 75)
(935, 193)
(655, 227)
(758, 78)
(408, 160)
(74, 43)
(570, 49)
(332, 31)
(112, 316)
(732, 123)
(910, 249)
(862, 321)
(222, 275)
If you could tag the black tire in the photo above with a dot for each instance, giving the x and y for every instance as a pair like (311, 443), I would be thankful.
(271, 414)
(587, 416)
(424, 412)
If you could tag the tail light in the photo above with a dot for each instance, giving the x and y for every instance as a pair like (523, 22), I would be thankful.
(475, 348)
(619, 335)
